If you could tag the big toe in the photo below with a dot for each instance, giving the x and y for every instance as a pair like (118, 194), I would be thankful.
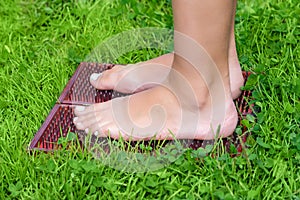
(103, 81)
(96, 80)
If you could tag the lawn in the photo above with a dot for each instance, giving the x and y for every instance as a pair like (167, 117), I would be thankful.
(42, 43)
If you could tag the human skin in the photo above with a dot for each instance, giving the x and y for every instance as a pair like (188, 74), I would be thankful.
(194, 100)
(137, 82)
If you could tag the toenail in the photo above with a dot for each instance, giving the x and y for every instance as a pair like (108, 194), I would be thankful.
(78, 125)
(80, 108)
(96, 133)
(75, 119)
(86, 130)
(95, 76)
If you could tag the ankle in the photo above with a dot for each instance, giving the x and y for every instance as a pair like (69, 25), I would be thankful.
(189, 87)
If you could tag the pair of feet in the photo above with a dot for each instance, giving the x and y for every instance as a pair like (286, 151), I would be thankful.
(164, 105)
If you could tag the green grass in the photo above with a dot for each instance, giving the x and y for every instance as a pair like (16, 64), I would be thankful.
(41, 44)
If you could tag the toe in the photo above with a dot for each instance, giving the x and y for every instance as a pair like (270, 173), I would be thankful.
(79, 110)
(94, 77)
(95, 80)
(105, 80)
(96, 130)
(86, 110)
(85, 121)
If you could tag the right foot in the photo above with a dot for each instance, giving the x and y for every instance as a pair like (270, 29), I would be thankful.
(187, 105)
(144, 75)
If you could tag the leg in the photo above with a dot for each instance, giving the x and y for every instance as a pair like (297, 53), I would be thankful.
(236, 77)
(195, 98)
(110, 78)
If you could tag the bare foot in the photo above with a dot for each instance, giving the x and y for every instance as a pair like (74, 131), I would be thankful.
(194, 101)
(144, 75)
(137, 81)
(164, 112)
